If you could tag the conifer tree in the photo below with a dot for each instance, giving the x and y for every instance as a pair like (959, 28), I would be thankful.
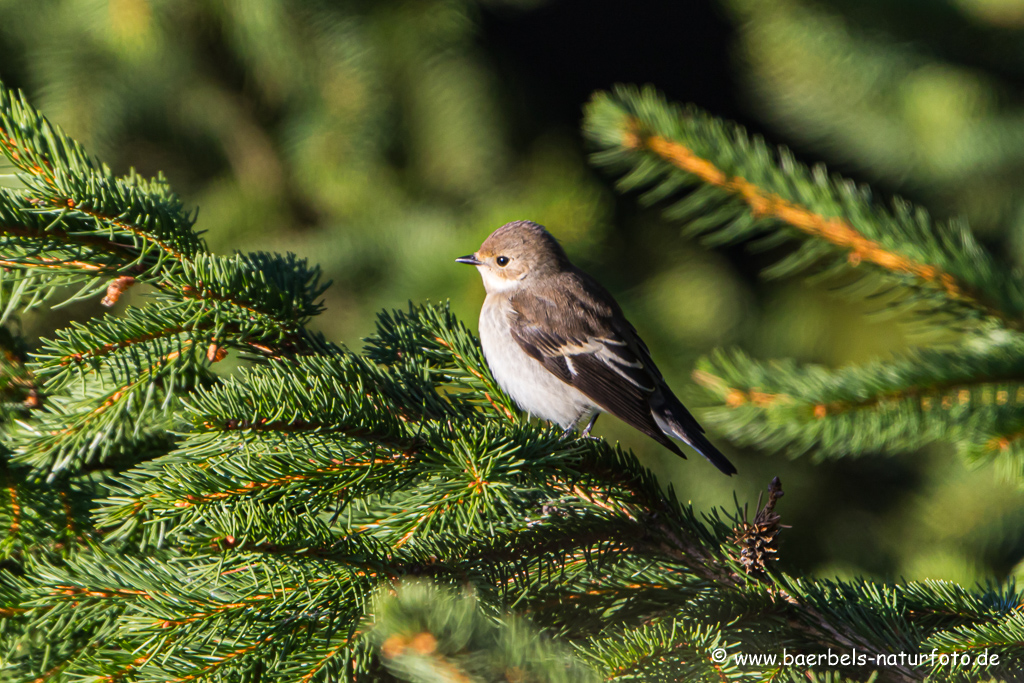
(326, 514)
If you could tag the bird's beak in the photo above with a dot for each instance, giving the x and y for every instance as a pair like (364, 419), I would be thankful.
(470, 260)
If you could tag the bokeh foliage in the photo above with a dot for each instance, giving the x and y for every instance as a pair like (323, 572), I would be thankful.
(377, 139)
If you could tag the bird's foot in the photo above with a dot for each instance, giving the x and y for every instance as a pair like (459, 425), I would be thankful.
(586, 432)
(571, 435)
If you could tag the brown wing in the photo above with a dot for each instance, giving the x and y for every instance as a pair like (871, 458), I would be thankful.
(576, 331)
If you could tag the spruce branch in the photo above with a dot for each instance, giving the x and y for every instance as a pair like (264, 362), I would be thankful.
(245, 498)
(127, 416)
(60, 175)
(597, 519)
(131, 342)
(123, 374)
(433, 334)
(70, 222)
(639, 654)
(968, 395)
(267, 298)
(427, 634)
(741, 189)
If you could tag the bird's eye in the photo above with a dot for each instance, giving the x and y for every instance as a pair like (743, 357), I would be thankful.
(502, 261)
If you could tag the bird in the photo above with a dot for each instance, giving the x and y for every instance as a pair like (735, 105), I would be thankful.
(558, 343)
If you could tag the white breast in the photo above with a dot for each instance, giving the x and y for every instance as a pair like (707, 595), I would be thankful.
(529, 383)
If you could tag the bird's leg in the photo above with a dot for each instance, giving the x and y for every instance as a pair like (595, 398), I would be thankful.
(586, 432)
(590, 425)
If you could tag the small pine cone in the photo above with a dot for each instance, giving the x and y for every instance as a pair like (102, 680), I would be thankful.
(757, 540)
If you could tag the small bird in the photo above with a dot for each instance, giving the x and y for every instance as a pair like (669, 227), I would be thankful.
(559, 345)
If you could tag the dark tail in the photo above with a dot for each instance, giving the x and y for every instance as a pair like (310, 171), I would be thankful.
(675, 420)
(700, 443)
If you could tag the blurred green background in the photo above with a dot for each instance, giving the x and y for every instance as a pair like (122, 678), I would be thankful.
(382, 138)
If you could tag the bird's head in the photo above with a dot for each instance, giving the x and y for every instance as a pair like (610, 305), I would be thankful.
(516, 253)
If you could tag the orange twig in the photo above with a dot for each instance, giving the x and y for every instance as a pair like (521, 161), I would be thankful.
(319, 665)
(113, 346)
(111, 247)
(69, 519)
(948, 394)
(108, 594)
(128, 227)
(218, 661)
(835, 230)
(15, 510)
